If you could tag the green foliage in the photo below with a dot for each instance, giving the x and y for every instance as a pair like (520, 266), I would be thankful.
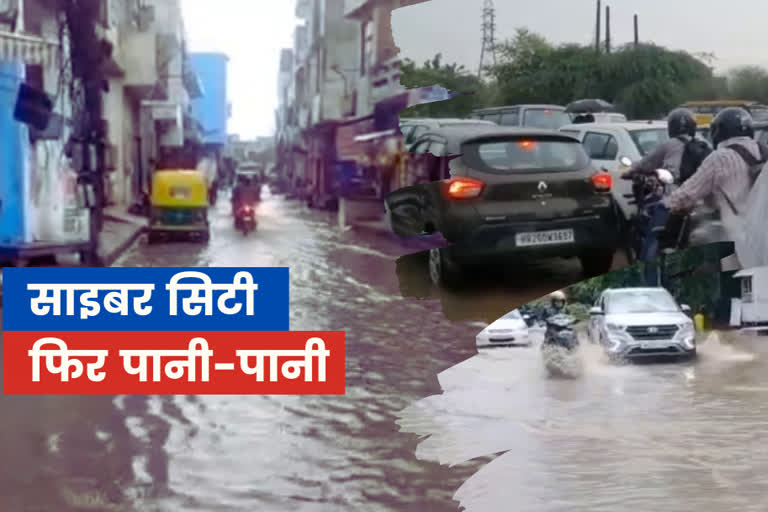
(749, 83)
(644, 81)
(472, 91)
(692, 276)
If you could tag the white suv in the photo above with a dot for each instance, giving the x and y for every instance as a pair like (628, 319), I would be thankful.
(633, 323)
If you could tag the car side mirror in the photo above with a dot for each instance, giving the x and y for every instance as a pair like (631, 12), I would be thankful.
(625, 161)
(686, 308)
(595, 311)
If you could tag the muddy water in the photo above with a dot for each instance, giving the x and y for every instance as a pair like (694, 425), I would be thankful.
(674, 437)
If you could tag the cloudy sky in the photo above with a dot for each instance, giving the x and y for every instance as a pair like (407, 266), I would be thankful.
(252, 32)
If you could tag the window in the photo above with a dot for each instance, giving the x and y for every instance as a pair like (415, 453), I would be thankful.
(513, 315)
(546, 119)
(493, 117)
(437, 148)
(517, 155)
(641, 301)
(746, 289)
(511, 118)
(601, 146)
(647, 140)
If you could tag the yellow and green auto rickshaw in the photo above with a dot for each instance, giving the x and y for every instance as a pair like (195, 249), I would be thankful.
(179, 205)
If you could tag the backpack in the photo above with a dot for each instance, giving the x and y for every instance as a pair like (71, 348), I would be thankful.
(694, 153)
(755, 165)
(747, 228)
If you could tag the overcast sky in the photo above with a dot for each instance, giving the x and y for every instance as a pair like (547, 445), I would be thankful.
(252, 32)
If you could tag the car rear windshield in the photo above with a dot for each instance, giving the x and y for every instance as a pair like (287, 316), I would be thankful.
(647, 140)
(546, 119)
(641, 301)
(529, 155)
(512, 315)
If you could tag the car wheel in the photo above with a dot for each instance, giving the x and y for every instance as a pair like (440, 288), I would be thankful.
(597, 262)
(442, 271)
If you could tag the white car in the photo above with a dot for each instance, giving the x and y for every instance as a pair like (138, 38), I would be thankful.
(608, 143)
(509, 330)
(635, 323)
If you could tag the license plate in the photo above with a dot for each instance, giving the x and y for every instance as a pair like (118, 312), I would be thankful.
(648, 345)
(560, 236)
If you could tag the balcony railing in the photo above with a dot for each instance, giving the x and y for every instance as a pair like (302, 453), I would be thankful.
(29, 49)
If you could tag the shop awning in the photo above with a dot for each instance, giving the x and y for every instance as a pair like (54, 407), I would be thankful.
(28, 49)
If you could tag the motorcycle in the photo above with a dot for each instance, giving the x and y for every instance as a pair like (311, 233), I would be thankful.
(648, 190)
(245, 219)
(560, 347)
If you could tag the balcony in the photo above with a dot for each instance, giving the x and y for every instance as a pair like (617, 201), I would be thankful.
(385, 80)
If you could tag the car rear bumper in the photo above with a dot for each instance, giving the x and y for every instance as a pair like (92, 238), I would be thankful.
(599, 231)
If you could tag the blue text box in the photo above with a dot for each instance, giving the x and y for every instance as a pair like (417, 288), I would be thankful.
(100, 310)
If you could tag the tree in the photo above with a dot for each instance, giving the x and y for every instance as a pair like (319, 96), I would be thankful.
(749, 83)
(472, 92)
(643, 81)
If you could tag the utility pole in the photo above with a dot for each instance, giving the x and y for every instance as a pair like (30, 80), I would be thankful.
(597, 27)
(637, 33)
(489, 37)
(607, 29)
(87, 56)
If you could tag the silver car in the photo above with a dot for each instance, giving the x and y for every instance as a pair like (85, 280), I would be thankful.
(636, 323)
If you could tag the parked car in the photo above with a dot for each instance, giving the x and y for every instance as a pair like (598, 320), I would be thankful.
(511, 192)
(548, 117)
(412, 129)
(509, 330)
(599, 117)
(634, 323)
(761, 131)
(607, 143)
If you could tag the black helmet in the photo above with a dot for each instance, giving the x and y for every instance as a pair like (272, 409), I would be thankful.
(681, 122)
(731, 122)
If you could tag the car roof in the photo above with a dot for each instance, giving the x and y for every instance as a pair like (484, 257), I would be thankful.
(522, 105)
(458, 135)
(629, 125)
(442, 120)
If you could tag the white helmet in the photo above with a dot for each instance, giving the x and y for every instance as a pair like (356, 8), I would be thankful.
(557, 296)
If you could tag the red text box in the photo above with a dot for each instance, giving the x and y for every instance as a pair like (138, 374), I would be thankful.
(283, 371)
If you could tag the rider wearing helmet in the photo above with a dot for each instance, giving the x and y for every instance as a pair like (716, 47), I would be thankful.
(246, 191)
(557, 304)
(724, 176)
(681, 127)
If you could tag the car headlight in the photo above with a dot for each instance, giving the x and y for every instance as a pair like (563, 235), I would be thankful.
(615, 327)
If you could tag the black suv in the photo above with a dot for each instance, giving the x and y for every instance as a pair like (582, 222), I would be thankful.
(511, 192)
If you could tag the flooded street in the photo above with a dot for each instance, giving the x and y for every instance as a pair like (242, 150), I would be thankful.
(644, 437)
(235, 453)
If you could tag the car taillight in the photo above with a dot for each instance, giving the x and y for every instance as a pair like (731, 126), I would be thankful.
(464, 188)
(602, 181)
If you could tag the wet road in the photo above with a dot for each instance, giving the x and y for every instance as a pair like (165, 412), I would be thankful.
(673, 437)
(268, 453)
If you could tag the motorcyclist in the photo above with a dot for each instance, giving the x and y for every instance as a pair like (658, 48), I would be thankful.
(557, 304)
(245, 193)
(681, 127)
(724, 177)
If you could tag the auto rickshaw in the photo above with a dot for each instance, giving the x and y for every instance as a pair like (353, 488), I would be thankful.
(179, 205)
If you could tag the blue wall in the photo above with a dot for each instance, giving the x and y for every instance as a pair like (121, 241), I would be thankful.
(14, 157)
(211, 111)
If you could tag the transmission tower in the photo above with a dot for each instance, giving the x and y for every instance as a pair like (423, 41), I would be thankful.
(488, 51)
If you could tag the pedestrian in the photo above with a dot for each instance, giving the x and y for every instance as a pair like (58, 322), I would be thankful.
(726, 176)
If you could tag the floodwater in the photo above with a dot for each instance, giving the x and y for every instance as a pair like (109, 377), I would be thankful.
(243, 453)
(672, 437)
